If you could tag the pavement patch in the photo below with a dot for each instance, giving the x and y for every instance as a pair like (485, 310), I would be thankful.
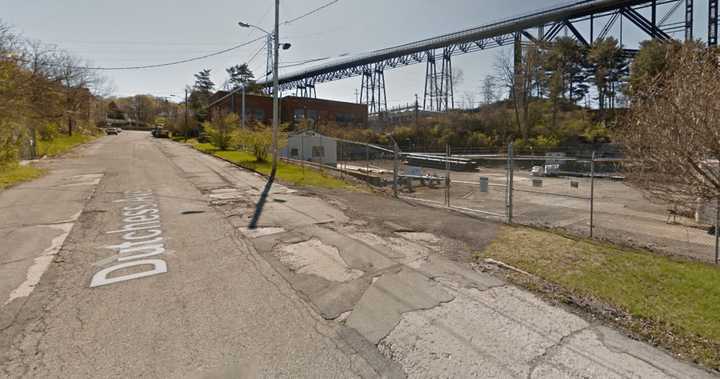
(260, 232)
(83, 180)
(383, 304)
(420, 237)
(313, 257)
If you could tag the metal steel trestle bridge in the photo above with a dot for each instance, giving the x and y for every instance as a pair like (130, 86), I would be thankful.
(658, 19)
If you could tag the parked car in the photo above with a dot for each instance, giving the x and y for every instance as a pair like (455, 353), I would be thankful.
(112, 131)
(158, 132)
(546, 170)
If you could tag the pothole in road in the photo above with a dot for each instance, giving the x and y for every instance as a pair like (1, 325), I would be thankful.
(191, 212)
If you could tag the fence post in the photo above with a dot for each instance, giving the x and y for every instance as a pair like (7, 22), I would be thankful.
(367, 159)
(338, 162)
(302, 154)
(592, 194)
(717, 231)
(396, 167)
(447, 175)
(510, 174)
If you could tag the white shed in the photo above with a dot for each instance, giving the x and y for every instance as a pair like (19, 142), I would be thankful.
(312, 147)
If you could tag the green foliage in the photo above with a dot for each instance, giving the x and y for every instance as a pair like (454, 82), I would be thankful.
(257, 139)
(48, 132)
(596, 133)
(239, 75)
(286, 172)
(10, 143)
(61, 144)
(222, 133)
(44, 91)
(610, 66)
(492, 126)
(203, 83)
(14, 174)
(652, 59)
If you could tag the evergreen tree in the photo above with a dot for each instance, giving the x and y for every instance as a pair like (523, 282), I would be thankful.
(200, 95)
(610, 65)
(203, 83)
(239, 75)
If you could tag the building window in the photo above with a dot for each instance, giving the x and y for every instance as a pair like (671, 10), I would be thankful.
(343, 117)
(299, 114)
(294, 153)
(318, 151)
(312, 115)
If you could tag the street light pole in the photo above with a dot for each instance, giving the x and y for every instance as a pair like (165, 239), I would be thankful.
(276, 112)
(242, 123)
(275, 38)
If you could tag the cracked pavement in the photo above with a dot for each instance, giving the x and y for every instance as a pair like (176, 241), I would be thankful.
(311, 292)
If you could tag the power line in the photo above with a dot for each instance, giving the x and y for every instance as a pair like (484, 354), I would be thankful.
(220, 52)
(312, 12)
(255, 55)
(210, 55)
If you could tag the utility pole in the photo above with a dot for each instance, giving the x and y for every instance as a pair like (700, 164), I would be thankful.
(417, 109)
(276, 112)
(186, 108)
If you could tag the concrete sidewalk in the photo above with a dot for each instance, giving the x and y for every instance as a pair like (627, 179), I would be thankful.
(433, 316)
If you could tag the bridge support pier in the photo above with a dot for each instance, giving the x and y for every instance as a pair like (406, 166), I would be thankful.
(372, 89)
(712, 22)
(439, 92)
(689, 12)
(306, 89)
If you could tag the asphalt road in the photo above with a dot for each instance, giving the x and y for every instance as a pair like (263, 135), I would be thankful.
(133, 258)
(218, 310)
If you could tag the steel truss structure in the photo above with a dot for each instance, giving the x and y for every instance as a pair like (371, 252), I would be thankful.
(372, 90)
(597, 18)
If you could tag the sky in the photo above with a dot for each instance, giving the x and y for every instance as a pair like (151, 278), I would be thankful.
(141, 32)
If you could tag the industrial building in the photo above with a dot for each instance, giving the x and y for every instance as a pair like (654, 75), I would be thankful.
(292, 109)
(311, 147)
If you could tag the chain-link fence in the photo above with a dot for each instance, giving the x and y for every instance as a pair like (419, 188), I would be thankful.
(579, 191)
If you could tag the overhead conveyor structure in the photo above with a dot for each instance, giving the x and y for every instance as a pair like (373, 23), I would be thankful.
(658, 19)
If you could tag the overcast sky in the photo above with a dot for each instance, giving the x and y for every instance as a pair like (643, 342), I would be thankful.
(139, 32)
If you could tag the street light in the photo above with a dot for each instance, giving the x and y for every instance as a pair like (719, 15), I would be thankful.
(276, 53)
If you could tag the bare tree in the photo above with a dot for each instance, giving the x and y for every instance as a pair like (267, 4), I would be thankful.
(469, 100)
(488, 89)
(518, 74)
(671, 137)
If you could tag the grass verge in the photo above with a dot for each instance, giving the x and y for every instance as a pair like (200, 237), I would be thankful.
(668, 302)
(62, 144)
(286, 172)
(16, 174)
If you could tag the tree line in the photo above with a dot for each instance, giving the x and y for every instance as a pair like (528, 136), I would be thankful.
(553, 94)
(44, 92)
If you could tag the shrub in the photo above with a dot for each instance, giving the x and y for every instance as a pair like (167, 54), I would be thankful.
(10, 138)
(257, 139)
(48, 132)
(221, 133)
